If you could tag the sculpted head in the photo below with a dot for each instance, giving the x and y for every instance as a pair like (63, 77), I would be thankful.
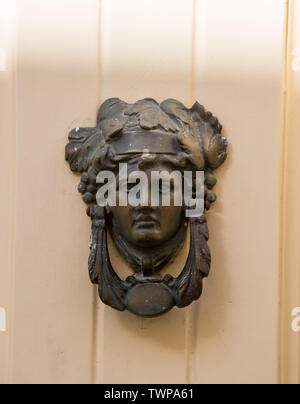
(147, 138)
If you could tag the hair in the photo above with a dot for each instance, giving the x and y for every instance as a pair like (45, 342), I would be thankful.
(197, 131)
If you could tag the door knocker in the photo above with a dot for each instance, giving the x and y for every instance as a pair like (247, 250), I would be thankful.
(139, 177)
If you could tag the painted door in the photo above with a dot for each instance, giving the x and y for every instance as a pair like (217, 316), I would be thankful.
(59, 60)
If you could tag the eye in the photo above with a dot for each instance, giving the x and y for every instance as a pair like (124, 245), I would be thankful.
(131, 186)
(166, 187)
(122, 185)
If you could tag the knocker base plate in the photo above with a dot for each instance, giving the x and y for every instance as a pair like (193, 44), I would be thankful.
(149, 299)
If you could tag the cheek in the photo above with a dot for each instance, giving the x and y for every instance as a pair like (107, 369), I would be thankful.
(122, 215)
(171, 218)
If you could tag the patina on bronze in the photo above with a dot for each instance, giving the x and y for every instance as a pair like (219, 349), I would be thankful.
(147, 136)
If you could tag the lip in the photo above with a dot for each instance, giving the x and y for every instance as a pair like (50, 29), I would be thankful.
(146, 224)
(145, 221)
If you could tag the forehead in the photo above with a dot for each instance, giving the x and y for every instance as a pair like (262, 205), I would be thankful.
(157, 163)
(153, 163)
(146, 141)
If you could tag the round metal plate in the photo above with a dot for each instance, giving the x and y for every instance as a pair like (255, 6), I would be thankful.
(150, 300)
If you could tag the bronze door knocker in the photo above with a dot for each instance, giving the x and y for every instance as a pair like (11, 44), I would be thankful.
(147, 138)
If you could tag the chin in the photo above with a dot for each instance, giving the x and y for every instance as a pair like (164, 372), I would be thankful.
(147, 235)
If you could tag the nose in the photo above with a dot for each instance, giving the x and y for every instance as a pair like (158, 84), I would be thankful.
(146, 210)
(149, 202)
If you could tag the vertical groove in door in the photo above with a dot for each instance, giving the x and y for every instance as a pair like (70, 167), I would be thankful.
(282, 219)
(10, 170)
(289, 347)
(189, 318)
(193, 54)
(298, 266)
(99, 51)
(188, 325)
(13, 218)
(96, 356)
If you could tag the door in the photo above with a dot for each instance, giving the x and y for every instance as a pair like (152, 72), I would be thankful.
(59, 60)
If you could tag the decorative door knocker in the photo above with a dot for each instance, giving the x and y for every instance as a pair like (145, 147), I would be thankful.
(146, 143)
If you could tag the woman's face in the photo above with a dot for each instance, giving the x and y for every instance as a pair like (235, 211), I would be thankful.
(149, 225)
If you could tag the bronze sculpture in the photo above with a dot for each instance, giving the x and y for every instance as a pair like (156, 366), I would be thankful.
(147, 137)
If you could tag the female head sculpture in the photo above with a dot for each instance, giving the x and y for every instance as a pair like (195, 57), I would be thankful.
(146, 138)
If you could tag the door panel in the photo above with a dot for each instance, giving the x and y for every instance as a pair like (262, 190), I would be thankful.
(238, 77)
(289, 339)
(146, 52)
(7, 177)
(56, 89)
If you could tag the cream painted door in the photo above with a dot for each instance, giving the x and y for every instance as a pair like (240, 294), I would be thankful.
(59, 60)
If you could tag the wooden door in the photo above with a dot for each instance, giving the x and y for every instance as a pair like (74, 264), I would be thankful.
(59, 60)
